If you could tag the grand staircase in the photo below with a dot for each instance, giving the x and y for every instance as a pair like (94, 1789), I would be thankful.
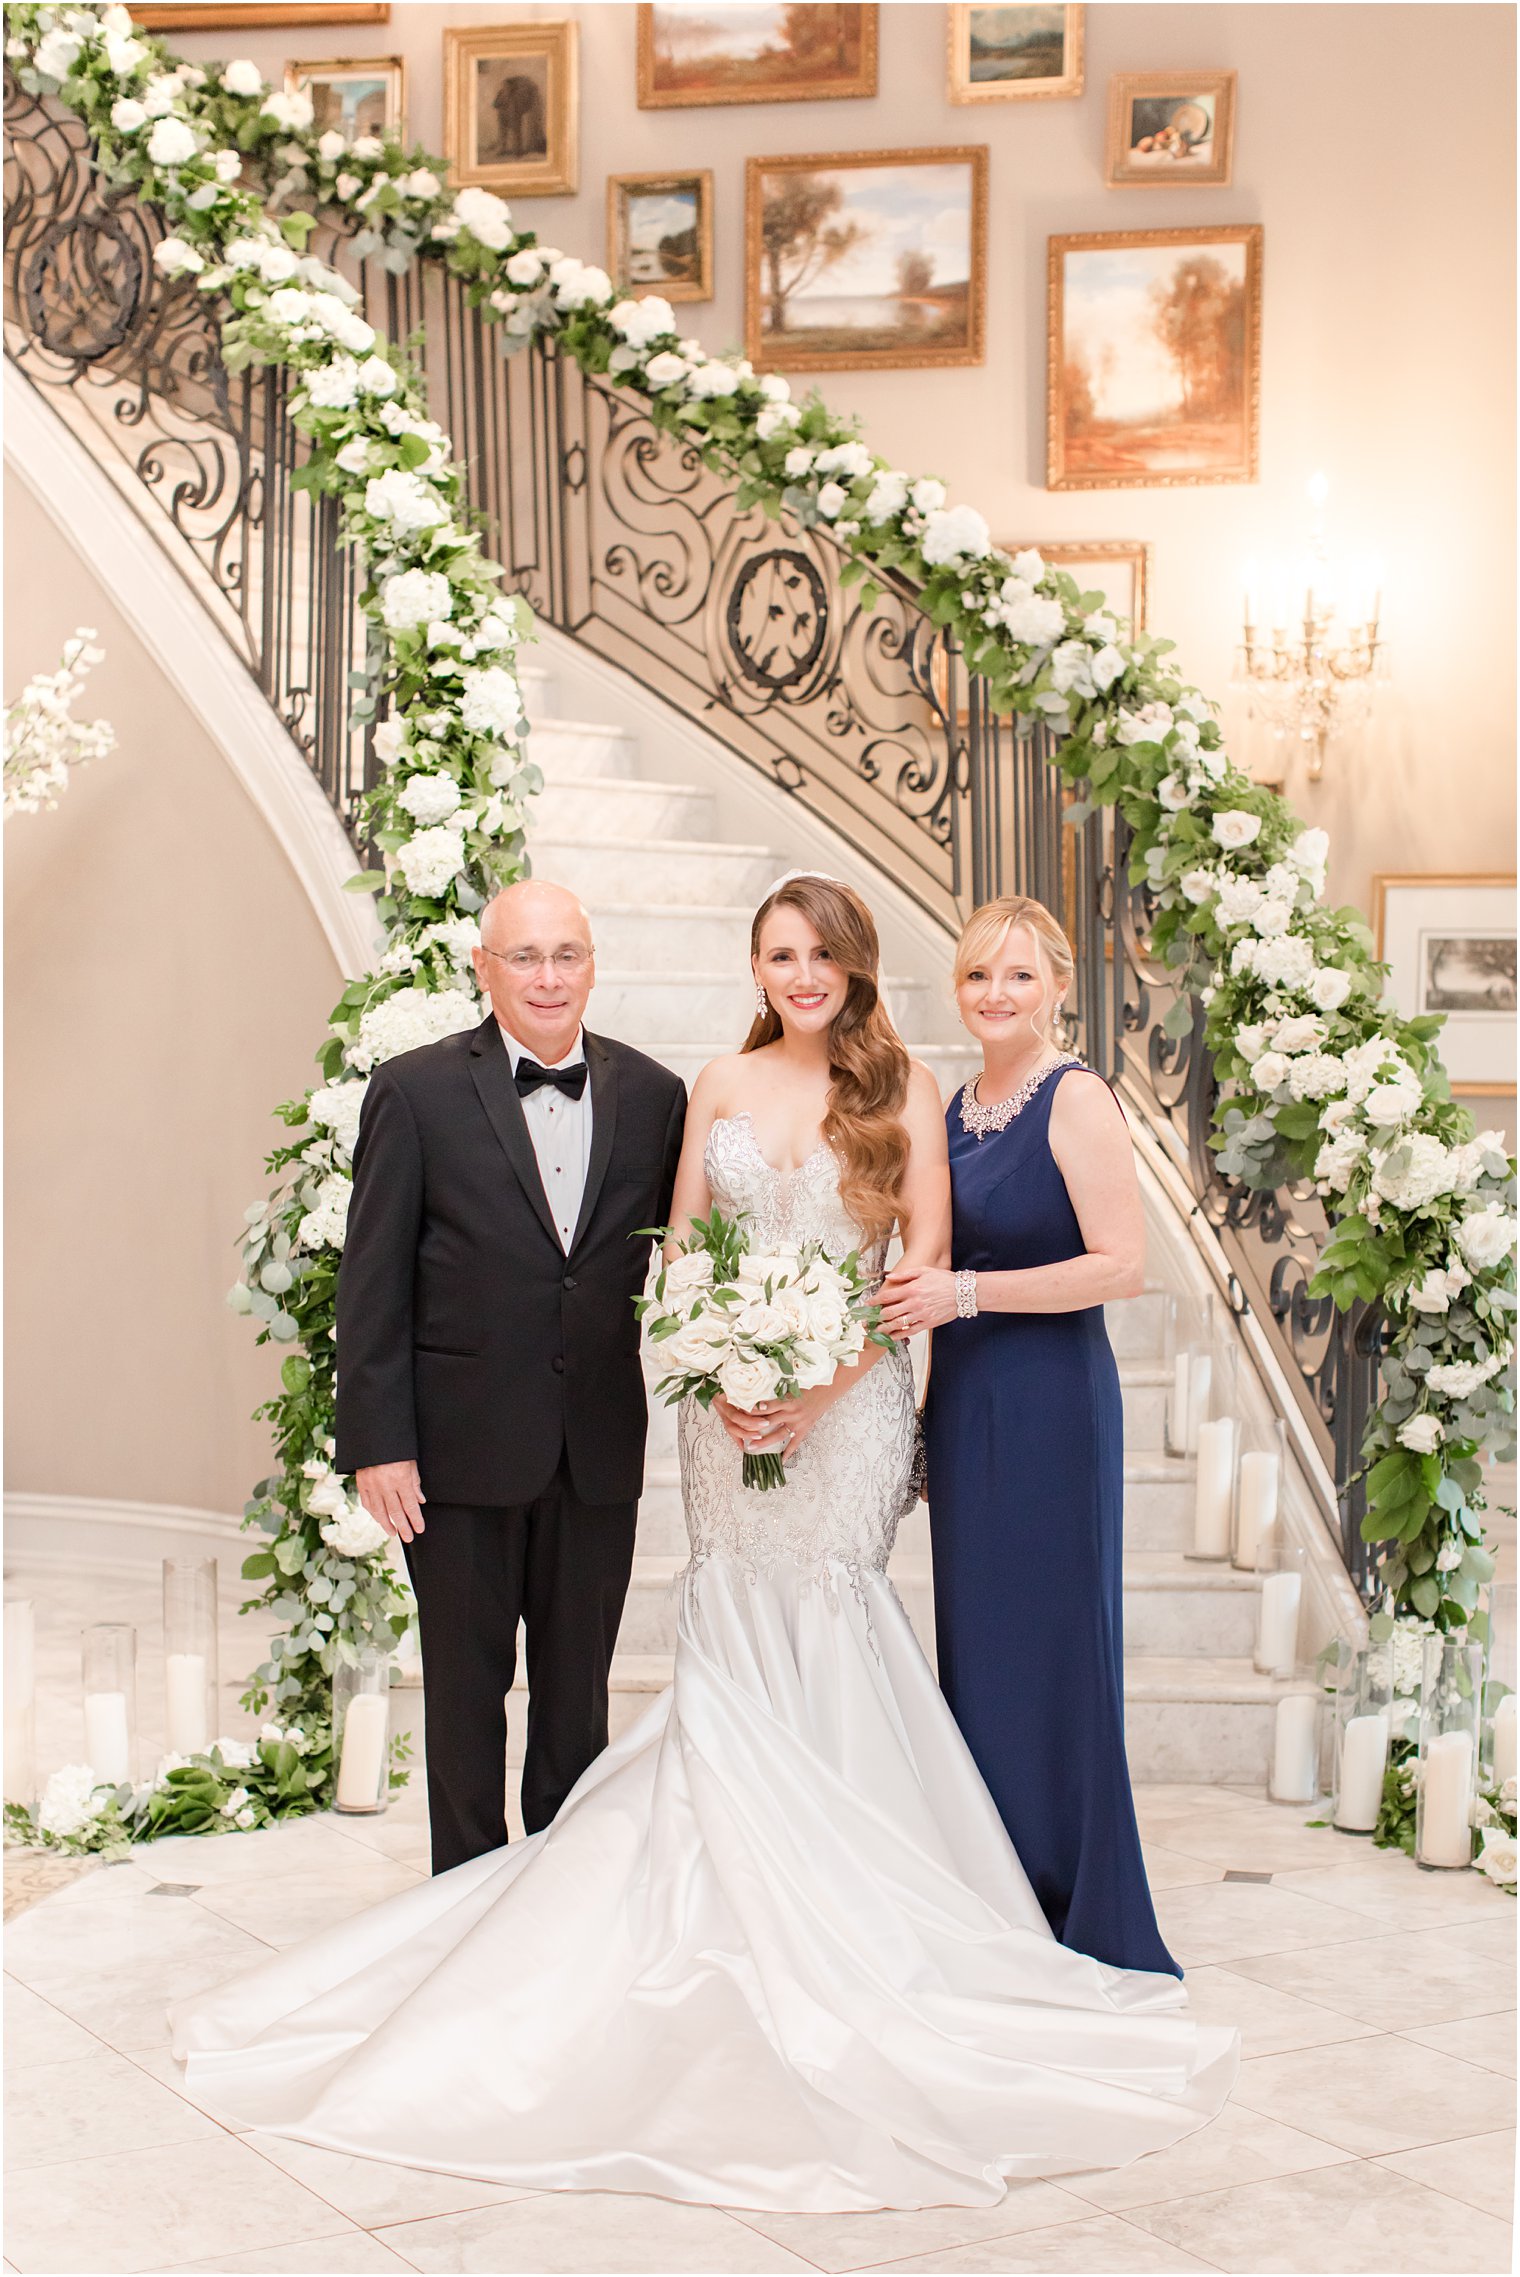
(671, 903)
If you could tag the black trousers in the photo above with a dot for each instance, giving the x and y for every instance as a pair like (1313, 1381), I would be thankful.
(560, 1566)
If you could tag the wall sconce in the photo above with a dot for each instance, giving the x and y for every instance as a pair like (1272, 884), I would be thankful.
(1309, 660)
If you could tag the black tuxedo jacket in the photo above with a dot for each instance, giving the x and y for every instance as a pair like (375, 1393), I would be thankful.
(467, 1339)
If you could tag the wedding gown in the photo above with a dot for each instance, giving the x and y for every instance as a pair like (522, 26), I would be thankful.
(776, 1951)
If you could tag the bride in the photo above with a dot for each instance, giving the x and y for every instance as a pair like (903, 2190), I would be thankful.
(776, 1950)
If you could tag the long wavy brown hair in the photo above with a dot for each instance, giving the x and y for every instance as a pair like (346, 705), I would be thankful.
(868, 1066)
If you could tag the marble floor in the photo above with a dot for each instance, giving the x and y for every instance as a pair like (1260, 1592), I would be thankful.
(1371, 2128)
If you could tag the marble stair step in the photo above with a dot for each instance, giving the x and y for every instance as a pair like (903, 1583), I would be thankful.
(668, 938)
(617, 812)
(654, 1008)
(583, 751)
(685, 873)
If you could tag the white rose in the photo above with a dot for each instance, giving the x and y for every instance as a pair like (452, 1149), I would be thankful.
(414, 597)
(1270, 1069)
(336, 1107)
(171, 143)
(1299, 1032)
(333, 386)
(430, 799)
(161, 94)
(354, 457)
(56, 54)
(889, 495)
(712, 379)
(956, 533)
(687, 1274)
(1413, 1173)
(777, 419)
(1459, 1379)
(404, 500)
(1422, 1434)
(1309, 854)
(665, 369)
(1329, 988)
(172, 257)
(642, 321)
(422, 182)
(746, 1382)
(1271, 918)
(1149, 725)
(812, 1364)
(1107, 666)
(928, 495)
(293, 111)
(1030, 565)
(243, 78)
(831, 497)
(1498, 1857)
(127, 115)
(525, 268)
(762, 1323)
(1172, 793)
(487, 218)
(798, 462)
(375, 377)
(576, 284)
(1435, 1293)
(1388, 1104)
(1234, 828)
(1486, 1237)
(1030, 618)
(1198, 886)
(1251, 1041)
(431, 860)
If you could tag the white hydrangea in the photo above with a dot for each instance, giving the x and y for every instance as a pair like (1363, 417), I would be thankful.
(127, 114)
(1337, 1159)
(1366, 1062)
(173, 257)
(409, 1019)
(1459, 1379)
(431, 860)
(487, 218)
(172, 142)
(576, 284)
(404, 500)
(161, 94)
(1412, 1173)
(325, 1223)
(776, 419)
(1316, 1075)
(492, 701)
(334, 386)
(1239, 900)
(1486, 1237)
(641, 322)
(429, 799)
(291, 109)
(1031, 618)
(1467, 1160)
(336, 1107)
(458, 937)
(851, 460)
(376, 377)
(352, 1533)
(68, 1801)
(414, 597)
(57, 52)
(1284, 963)
(955, 533)
(714, 379)
(888, 496)
(927, 494)
(242, 77)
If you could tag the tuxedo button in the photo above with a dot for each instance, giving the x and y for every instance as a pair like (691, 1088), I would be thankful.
(568, 1282)
(558, 1365)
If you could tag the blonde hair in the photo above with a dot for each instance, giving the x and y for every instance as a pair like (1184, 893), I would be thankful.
(868, 1065)
(989, 926)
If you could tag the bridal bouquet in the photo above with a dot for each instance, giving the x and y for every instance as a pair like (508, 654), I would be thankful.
(754, 1324)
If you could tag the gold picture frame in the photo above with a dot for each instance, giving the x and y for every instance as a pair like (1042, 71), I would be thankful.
(780, 75)
(531, 148)
(1082, 555)
(668, 267)
(1099, 308)
(1158, 120)
(1035, 42)
(357, 74)
(1433, 931)
(248, 15)
(922, 320)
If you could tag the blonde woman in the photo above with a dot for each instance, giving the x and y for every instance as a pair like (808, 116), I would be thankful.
(1025, 1433)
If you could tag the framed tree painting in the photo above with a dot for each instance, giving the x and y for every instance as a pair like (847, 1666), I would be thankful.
(363, 96)
(511, 107)
(866, 260)
(659, 234)
(702, 52)
(1011, 55)
(1153, 355)
(1170, 129)
(249, 15)
(1449, 945)
(1118, 568)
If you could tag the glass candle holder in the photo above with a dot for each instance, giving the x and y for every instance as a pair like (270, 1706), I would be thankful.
(1293, 1770)
(1363, 1705)
(1258, 1492)
(1499, 1737)
(110, 1702)
(1451, 1706)
(21, 1702)
(190, 1671)
(1278, 1607)
(361, 1708)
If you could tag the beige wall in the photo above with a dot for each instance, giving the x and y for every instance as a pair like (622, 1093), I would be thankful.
(166, 986)
(1388, 322)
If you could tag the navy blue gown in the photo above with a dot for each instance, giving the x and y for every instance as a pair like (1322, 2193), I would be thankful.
(1025, 1432)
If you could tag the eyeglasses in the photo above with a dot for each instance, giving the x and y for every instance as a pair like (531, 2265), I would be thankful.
(568, 961)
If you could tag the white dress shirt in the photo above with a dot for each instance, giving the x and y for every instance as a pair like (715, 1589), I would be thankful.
(560, 1128)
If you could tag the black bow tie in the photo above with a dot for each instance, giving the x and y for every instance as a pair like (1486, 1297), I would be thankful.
(529, 1075)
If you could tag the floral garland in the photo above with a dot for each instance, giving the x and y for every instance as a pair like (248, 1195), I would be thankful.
(42, 740)
(1322, 1081)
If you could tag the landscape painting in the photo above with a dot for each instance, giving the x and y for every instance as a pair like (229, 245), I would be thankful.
(352, 98)
(866, 261)
(743, 51)
(1003, 55)
(1170, 129)
(1154, 355)
(659, 234)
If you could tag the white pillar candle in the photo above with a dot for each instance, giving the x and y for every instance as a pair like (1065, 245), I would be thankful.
(1295, 1754)
(1504, 1740)
(361, 1760)
(1446, 1800)
(107, 1740)
(1364, 1758)
(187, 1706)
(1200, 1383)
(1214, 1492)
(1277, 1623)
(1177, 1416)
(1260, 1478)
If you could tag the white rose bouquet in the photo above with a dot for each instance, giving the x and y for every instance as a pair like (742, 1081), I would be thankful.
(754, 1324)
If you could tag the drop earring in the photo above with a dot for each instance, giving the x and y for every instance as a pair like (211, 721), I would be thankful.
(762, 1001)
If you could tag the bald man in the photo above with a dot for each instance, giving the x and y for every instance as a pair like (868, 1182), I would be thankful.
(490, 1399)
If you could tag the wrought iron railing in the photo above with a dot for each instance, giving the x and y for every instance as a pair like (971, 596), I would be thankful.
(626, 541)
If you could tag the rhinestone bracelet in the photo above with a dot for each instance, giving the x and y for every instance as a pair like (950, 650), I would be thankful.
(965, 1296)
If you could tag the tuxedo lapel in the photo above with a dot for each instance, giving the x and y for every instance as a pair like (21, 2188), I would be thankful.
(491, 1067)
(604, 1105)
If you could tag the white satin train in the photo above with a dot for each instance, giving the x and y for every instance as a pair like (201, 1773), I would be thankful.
(776, 1951)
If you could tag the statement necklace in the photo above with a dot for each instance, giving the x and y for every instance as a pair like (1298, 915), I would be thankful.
(982, 1122)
